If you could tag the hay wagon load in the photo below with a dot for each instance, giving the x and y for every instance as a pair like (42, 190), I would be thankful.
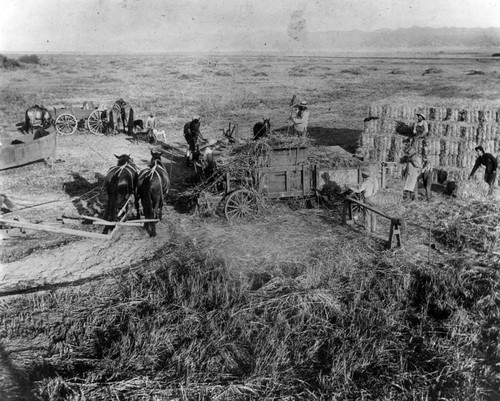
(249, 175)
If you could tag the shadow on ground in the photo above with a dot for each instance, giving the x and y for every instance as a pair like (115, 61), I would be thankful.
(90, 196)
(346, 138)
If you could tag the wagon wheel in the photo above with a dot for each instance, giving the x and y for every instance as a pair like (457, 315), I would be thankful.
(95, 123)
(240, 204)
(357, 210)
(66, 124)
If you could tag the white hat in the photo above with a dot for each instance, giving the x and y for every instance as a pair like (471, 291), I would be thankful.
(366, 171)
(303, 103)
(195, 117)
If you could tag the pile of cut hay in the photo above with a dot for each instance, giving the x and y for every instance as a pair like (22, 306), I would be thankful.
(249, 155)
(476, 227)
(329, 157)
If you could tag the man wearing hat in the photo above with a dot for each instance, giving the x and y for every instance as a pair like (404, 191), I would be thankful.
(150, 127)
(368, 188)
(490, 162)
(411, 174)
(298, 120)
(420, 132)
(193, 135)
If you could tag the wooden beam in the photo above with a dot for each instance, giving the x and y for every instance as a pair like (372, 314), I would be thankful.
(351, 200)
(117, 223)
(59, 230)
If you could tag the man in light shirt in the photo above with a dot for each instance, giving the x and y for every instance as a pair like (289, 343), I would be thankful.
(369, 188)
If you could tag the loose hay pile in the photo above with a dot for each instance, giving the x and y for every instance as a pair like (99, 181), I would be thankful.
(476, 227)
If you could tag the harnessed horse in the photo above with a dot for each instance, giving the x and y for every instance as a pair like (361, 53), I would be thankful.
(153, 185)
(120, 183)
(261, 129)
(34, 114)
(120, 112)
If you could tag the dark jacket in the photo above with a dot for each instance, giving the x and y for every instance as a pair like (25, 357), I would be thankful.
(487, 160)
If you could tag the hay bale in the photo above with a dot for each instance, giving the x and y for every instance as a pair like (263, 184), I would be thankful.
(470, 189)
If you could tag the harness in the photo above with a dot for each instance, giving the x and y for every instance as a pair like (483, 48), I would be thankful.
(117, 170)
(150, 172)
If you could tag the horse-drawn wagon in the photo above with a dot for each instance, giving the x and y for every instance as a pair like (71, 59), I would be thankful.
(260, 173)
(68, 118)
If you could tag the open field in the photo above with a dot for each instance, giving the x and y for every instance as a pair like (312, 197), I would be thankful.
(290, 305)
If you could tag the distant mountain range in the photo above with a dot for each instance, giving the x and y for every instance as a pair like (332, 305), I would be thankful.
(414, 38)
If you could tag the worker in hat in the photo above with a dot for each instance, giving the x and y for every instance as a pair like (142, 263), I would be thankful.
(150, 127)
(420, 134)
(490, 163)
(411, 172)
(368, 188)
(193, 136)
(298, 120)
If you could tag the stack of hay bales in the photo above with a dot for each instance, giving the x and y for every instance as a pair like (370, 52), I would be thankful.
(455, 129)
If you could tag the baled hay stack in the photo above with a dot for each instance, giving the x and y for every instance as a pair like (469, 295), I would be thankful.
(455, 129)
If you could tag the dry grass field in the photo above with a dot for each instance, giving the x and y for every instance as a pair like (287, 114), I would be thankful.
(289, 305)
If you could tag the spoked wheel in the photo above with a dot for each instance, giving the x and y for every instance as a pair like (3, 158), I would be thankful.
(359, 196)
(96, 123)
(66, 124)
(241, 204)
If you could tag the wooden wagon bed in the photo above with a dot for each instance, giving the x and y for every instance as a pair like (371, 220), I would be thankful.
(28, 152)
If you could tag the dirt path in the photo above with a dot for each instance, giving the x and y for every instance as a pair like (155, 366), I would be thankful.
(81, 259)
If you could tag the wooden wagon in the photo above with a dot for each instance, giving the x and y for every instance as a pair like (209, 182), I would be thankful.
(68, 118)
(283, 174)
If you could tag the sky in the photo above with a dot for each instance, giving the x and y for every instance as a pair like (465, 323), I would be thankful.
(158, 25)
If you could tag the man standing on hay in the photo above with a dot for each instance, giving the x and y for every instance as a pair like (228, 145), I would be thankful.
(491, 164)
(421, 130)
(298, 120)
(369, 188)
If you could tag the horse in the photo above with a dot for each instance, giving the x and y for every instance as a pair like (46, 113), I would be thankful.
(34, 114)
(126, 116)
(154, 184)
(191, 134)
(261, 129)
(113, 116)
(120, 183)
(120, 112)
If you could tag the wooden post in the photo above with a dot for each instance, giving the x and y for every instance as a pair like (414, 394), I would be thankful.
(383, 176)
(348, 215)
(395, 231)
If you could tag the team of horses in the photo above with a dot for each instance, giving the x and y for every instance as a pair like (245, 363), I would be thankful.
(150, 186)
